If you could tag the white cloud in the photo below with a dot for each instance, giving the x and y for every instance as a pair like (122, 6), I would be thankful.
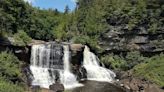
(30, 1)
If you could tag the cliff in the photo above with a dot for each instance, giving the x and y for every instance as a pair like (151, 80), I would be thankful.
(138, 39)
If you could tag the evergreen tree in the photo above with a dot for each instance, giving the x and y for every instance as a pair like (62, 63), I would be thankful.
(67, 10)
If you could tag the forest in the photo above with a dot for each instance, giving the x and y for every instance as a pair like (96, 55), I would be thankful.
(86, 24)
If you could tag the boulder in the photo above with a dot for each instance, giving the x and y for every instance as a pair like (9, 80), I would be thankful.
(57, 87)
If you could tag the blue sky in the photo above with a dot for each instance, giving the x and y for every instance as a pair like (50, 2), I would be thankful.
(54, 4)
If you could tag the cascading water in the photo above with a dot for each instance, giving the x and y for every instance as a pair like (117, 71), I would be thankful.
(67, 78)
(94, 70)
(40, 71)
(47, 66)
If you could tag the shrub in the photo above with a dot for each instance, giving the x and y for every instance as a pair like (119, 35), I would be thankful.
(10, 73)
(9, 66)
(152, 69)
(21, 38)
(134, 58)
(114, 61)
(7, 86)
(118, 62)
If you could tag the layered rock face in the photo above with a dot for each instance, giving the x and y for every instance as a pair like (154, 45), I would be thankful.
(138, 39)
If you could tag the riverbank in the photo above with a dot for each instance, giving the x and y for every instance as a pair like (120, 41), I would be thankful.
(131, 83)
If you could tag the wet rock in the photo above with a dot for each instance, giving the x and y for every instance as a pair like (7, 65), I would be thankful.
(57, 87)
(28, 74)
(82, 73)
(35, 88)
(95, 86)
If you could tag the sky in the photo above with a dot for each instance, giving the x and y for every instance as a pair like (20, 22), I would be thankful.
(54, 4)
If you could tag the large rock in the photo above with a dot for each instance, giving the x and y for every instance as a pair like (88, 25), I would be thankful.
(76, 47)
(57, 87)
(35, 42)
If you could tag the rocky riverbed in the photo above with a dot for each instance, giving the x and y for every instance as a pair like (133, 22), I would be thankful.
(135, 84)
(95, 86)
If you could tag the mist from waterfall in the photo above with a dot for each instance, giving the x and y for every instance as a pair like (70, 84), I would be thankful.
(93, 68)
(47, 61)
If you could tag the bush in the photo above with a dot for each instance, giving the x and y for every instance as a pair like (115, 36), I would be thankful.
(152, 69)
(9, 66)
(113, 61)
(7, 86)
(134, 58)
(10, 73)
(21, 38)
(118, 62)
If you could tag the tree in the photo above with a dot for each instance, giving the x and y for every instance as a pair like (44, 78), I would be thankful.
(21, 38)
(67, 10)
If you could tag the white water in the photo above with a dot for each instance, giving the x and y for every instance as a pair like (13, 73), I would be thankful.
(45, 75)
(67, 78)
(40, 74)
(94, 70)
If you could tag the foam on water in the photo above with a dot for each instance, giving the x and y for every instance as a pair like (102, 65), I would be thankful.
(45, 62)
(94, 70)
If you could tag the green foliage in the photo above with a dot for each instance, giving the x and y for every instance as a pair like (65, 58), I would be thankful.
(9, 66)
(21, 38)
(6, 86)
(60, 32)
(152, 69)
(10, 73)
(14, 15)
(42, 24)
(149, 68)
(118, 62)
(17, 15)
(91, 18)
(134, 58)
(113, 61)
(81, 39)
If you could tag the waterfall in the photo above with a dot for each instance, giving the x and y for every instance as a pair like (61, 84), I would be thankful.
(94, 70)
(40, 70)
(50, 62)
(68, 78)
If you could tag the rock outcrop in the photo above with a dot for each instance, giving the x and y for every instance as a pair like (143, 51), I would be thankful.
(139, 39)
(135, 84)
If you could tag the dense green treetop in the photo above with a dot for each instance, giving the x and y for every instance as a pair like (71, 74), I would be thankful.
(91, 18)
